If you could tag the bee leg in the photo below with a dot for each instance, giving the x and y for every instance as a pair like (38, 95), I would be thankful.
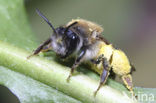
(98, 60)
(127, 79)
(77, 61)
(42, 48)
(112, 74)
(104, 75)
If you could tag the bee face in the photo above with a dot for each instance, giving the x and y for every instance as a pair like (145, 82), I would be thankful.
(64, 41)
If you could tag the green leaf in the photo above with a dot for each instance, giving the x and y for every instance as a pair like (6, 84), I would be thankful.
(14, 27)
(39, 79)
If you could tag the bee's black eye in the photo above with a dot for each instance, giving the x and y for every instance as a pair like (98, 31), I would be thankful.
(69, 40)
(71, 35)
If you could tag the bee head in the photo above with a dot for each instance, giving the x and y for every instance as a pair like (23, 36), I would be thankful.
(64, 41)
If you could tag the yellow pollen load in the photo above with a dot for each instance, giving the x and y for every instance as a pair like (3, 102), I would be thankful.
(120, 63)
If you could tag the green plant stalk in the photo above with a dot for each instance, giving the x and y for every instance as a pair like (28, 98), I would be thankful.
(53, 74)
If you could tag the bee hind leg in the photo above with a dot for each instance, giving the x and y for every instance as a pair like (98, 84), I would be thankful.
(127, 79)
(42, 48)
(104, 75)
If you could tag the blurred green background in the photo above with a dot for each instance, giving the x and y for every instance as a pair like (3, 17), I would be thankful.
(129, 24)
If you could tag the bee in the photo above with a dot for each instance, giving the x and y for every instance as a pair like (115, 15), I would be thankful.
(84, 39)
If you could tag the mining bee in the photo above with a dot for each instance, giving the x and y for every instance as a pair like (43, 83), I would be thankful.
(84, 39)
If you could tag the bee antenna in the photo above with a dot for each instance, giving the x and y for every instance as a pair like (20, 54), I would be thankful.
(45, 19)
